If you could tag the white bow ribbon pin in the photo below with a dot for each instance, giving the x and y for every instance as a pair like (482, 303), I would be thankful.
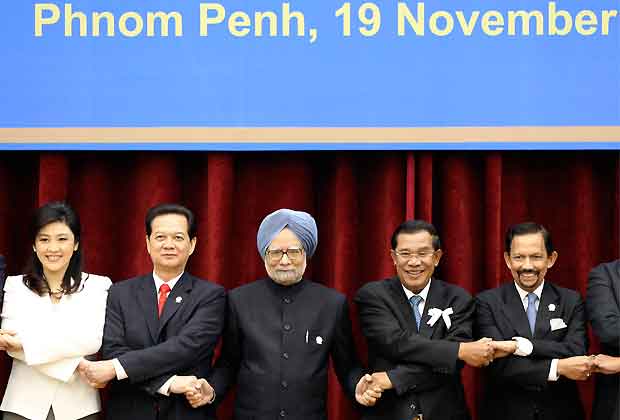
(437, 313)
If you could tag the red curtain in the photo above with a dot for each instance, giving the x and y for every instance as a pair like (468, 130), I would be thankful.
(358, 198)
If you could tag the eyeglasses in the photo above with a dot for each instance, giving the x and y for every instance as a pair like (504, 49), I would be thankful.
(407, 256)
(293, 254)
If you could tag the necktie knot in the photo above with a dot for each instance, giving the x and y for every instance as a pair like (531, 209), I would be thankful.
(164, 289)
(414, 301)
(531, 299)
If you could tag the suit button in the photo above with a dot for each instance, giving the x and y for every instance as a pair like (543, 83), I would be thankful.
(287, 327)
(282, 413)
(285, 355)
(287, 300)
(284, 384)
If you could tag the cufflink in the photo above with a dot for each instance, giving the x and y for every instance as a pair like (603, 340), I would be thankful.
(179, 299)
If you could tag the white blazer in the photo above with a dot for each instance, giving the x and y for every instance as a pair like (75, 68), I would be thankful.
(54, 337)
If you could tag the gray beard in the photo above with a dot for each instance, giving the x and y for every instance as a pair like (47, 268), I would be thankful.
(285, 278)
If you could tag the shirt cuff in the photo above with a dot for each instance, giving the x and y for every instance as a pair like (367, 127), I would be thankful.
(165, 388)
(524, 346)
(118, 368)
(553, 371)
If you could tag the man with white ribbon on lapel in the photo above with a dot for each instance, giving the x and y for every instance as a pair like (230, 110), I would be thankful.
(544, 329)
(419, 333)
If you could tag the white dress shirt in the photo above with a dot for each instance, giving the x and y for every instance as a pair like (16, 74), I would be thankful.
(423, 294)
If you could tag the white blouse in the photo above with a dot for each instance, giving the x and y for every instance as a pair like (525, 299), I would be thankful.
(55, 337)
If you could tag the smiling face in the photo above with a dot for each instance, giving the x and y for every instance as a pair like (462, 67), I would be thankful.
(528, 260)
(54, 245)
(169, 245)
(415, 259)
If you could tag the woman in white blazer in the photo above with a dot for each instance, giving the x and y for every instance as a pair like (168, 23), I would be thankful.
(52, 318)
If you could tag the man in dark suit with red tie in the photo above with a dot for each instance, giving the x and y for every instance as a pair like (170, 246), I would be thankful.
(545, 325)
(161, 328)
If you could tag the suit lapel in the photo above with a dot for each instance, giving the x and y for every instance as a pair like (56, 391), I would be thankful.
(547, 297)
(515, 313)
(177, 297)
(398, 294)
(147, 300)
(434, 299)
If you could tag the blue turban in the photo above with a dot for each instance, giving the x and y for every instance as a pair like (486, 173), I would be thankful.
(300, 222)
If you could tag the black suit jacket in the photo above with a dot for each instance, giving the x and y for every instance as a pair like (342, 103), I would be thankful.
(517, 387)
(423, 367)
(603, 308)
(151, 350)
(277, 343)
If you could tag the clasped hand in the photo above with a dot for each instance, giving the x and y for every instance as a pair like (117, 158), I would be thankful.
(482, 352)
(198, 392)
(9, 341)
(97, 374)
(607, 365)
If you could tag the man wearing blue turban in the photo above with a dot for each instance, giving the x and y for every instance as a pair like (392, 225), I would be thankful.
(281, 331)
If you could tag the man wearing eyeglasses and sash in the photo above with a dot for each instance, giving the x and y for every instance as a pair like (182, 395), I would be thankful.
(419, 333)
(281, 331)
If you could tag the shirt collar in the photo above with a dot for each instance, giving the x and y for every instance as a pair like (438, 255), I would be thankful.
(171, 282)
(523, 293)
(423, 293)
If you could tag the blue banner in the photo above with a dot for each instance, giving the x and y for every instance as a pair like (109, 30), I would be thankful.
(233, 63)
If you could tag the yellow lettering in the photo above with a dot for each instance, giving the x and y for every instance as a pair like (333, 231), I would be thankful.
(70, 16)
(205, 20)
(164, 20)
(272, 19)
(525, 21)
(109, 19)
(553, 17)
(492, 23)
(467, 25)
(432, 23)
(286, 20)
(238, 20)
(583, 19)
(606, 16)
(138, 24)
(39, 20)
(416, 24)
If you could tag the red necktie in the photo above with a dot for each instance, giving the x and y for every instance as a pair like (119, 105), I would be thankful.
(164, 289)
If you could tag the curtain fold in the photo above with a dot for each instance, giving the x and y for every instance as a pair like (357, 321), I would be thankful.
(358, 198)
